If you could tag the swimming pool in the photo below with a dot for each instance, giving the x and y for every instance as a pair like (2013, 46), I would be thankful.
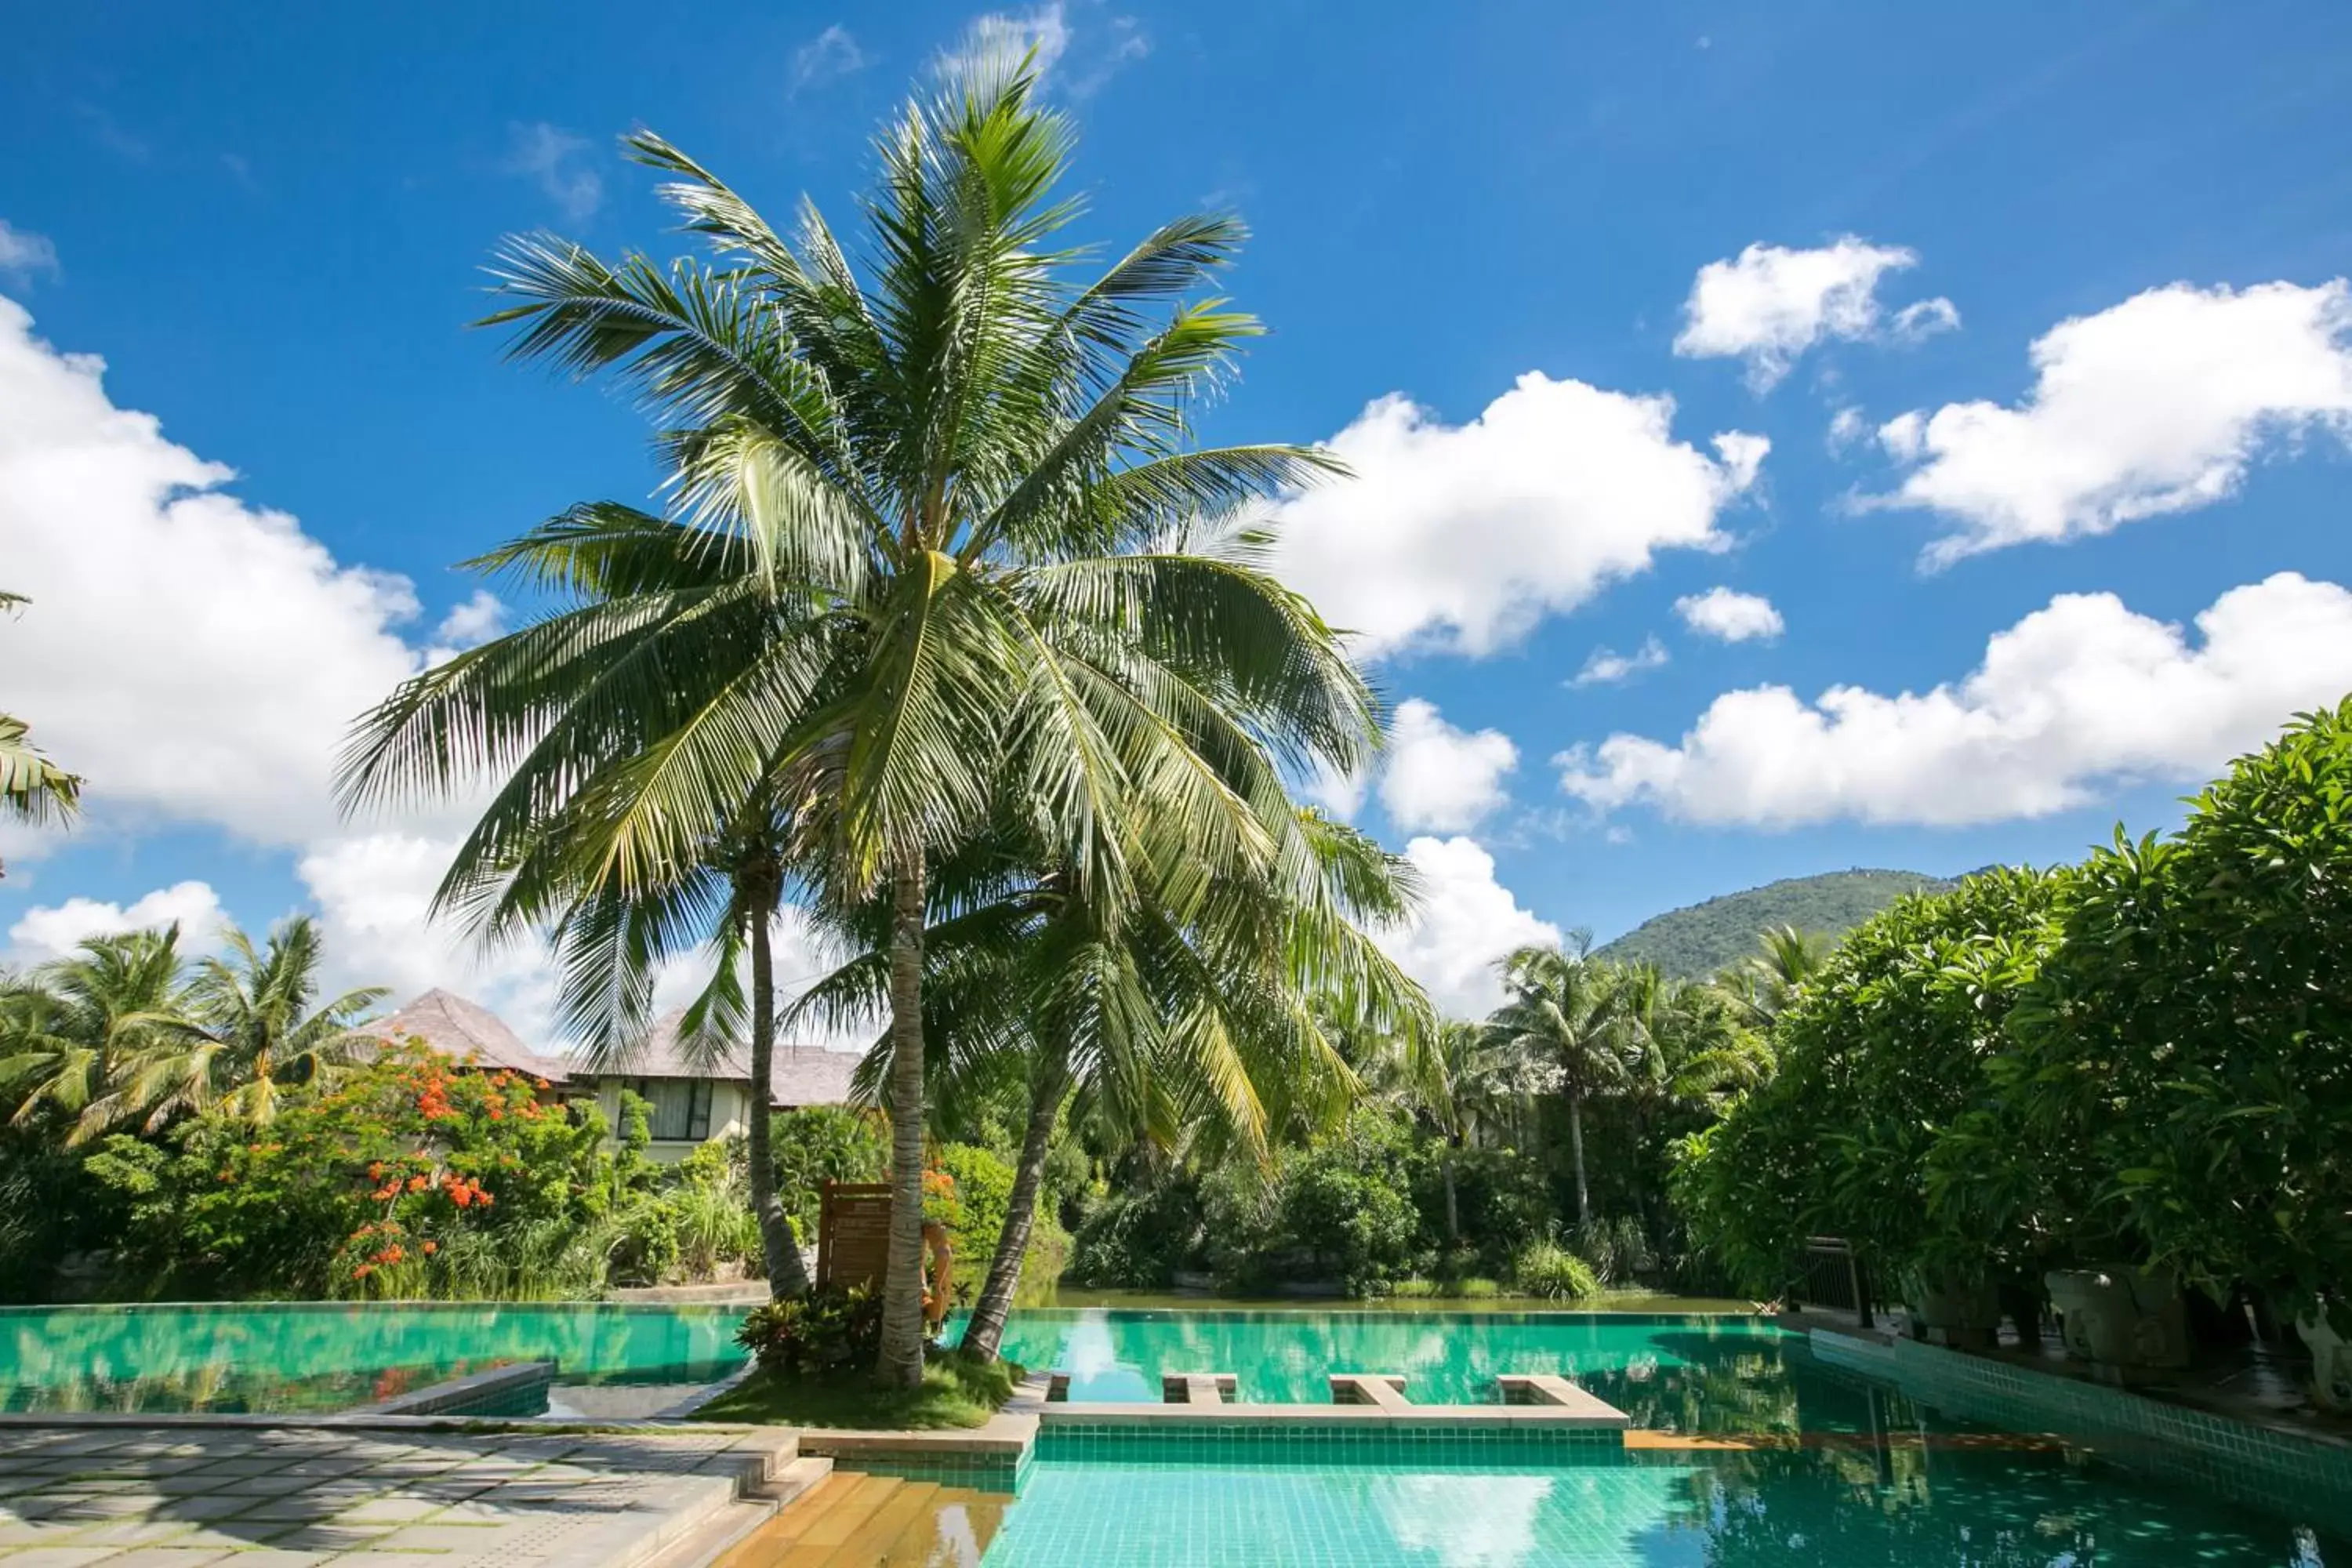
(1749, 1454)
(310, 1357)
(1644, 1364)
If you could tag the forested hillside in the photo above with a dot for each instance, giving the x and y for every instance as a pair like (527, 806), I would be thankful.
(1701, 940)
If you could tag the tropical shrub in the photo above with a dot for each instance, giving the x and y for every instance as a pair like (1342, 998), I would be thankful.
(1339, 1209)
(712, 1226)
(1880, 1054)
(1141, 1238)
(1547, 1270)
(1617, 1248)
(2189, 1051)
(828, 1328)
(354, 1190)
(821, 1143)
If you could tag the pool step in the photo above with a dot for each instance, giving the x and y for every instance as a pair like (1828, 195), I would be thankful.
(852, 1521)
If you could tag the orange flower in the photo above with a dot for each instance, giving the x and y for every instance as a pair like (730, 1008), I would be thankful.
(431, 1248)
(416, 1183)
(363, 1270)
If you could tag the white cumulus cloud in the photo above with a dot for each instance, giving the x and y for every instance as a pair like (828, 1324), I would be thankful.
(1442, 779)
(1770, 304)
(1606, 666)
(1462, 537)
(2155, 405)
(2075, 698)
(195, 659)
(54, 931)
(1466, 921)
(1729, 616)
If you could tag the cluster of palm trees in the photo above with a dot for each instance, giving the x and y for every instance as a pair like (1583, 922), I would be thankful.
(1586, 1030)
(948, 632)
(127, 1033)
(33, 789)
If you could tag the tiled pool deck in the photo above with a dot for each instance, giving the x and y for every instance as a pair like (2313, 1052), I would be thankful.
(188, 1495)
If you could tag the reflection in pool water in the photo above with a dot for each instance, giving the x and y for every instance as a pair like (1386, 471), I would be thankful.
(316, 1357)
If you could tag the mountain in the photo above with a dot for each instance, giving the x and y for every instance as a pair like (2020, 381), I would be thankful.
(1703, 939)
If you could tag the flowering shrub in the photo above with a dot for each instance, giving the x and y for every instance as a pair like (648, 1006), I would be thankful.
(364, 1188)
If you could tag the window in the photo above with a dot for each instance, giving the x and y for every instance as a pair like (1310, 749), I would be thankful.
(681, 1108)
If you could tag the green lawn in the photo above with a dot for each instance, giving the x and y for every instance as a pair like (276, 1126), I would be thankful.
(954, 1392)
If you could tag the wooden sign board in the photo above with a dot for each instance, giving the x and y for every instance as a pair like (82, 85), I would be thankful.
(853, 1233)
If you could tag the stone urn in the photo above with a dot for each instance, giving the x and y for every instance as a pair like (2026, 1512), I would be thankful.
(2128, 1319)
(2331, 1361)
(1943, 1310)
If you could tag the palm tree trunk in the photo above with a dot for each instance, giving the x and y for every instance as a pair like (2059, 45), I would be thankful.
(986, 1330)
(901, 1362)
(1575, 1148)
(787, 1274)
(1453, 1209)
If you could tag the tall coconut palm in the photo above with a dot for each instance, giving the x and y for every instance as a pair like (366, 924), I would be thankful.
(257, 1030)
(33, 789)
(71, 1029)
(937, 526)
(1584, 1019)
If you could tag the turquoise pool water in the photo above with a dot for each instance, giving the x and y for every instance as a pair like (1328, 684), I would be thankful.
(1768, 1460)
(332, 1356)
(1644, 1365)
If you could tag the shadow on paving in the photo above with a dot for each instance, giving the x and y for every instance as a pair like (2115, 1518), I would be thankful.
(329, 1492)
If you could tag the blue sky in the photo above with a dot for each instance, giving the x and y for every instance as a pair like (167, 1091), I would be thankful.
(2097, 249)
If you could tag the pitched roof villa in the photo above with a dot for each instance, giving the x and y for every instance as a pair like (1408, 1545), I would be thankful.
(466, 1031)
(693, 1098)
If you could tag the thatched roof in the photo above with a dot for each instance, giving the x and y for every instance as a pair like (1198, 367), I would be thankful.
(802, 1075)
(466, 1031)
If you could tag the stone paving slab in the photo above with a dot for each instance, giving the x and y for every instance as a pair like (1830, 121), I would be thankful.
(256, 1497)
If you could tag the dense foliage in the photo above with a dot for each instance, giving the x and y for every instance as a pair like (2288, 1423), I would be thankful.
(1700, 941)
(2143, 1059)
(1879, 1054)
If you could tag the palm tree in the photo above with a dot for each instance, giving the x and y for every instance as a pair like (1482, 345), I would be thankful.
(33, 789)
(1708, 1051)
(1767, 982)
(1584, 1019)
(254, 1034)
(70, 1028)
(936, 528)
(1221, 1026)
(1460, 1083)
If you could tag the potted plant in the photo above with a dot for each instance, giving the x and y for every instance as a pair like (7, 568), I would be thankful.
(2129, 1319)
(2331, 1353)
(1949, 1309)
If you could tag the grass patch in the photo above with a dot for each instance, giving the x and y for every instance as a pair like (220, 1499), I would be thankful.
(955, 1392)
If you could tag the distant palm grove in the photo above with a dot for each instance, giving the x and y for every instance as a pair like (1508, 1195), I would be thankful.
(951, 636)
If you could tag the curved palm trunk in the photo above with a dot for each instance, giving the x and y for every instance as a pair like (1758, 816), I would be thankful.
(778, 1247)
(986, 1330)
(1575, 1148)
(901, 1360)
